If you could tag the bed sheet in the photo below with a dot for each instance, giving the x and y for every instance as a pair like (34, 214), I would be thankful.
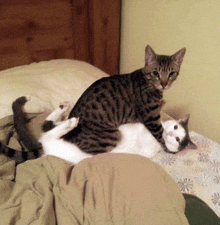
(197, 172)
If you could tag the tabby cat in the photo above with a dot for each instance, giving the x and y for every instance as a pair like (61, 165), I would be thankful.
(136, 139)
(120, 99)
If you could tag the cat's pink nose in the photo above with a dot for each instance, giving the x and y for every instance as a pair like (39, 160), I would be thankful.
(170, 133)
(163, 84)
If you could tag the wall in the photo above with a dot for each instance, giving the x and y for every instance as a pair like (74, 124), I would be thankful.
(169, 25)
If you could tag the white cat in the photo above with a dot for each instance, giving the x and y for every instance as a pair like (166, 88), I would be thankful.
(135, 137)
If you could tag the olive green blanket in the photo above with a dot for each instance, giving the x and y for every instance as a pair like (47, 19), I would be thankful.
(106, 189)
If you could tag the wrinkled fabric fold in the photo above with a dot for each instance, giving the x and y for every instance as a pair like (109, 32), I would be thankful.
(105, 189)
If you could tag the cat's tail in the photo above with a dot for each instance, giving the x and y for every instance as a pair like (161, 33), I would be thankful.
(20, 125)
(18, 156)
(26, 139)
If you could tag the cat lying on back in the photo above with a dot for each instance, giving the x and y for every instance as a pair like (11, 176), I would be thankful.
(136, 139)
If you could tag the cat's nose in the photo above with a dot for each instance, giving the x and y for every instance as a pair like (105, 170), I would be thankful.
(170, 133)
(163, 84)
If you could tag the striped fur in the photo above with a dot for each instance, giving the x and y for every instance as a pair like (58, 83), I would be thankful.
(19, 156)
(27, 140)
(20, 125)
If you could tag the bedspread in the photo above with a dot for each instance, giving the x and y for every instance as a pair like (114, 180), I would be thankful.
(101, 190)
(196, 171)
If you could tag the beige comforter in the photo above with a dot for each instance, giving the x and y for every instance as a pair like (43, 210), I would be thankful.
(105, 189)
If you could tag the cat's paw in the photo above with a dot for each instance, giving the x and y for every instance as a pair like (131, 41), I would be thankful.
(73, 122)
(64, 106)
(162, 103)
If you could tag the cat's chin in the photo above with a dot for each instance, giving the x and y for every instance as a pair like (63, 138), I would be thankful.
(171, 148)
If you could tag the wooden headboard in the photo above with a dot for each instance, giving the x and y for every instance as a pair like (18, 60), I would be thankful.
(37, 30)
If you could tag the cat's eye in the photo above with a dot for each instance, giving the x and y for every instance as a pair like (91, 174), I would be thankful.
(175, 127)
(172, 74)
(177, 139)
(156, 74)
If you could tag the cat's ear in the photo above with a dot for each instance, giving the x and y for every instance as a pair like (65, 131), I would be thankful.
(178, 56)
(150, 56)
(184, 121)
(190, 145)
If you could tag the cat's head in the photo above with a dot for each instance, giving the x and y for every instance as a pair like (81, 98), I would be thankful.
(162, 70)
(176, 135)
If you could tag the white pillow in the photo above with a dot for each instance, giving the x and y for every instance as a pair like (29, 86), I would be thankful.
(47, 83)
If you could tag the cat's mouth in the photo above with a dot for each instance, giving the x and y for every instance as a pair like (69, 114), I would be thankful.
(162, 88)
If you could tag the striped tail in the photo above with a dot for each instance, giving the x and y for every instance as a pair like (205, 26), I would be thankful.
(33, 146)
(18, 156)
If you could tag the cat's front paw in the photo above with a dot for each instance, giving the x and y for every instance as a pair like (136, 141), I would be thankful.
(64, 106)
(73, 122)
(162, 103)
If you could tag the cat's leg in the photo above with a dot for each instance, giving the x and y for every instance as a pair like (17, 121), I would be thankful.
(57, 113)
(63, 128)
(156, 129)
(53, 117)
(154, 125)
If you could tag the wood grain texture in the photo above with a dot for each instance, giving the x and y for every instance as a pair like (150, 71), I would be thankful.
(36, 30)
(97, 33)
(105, 33)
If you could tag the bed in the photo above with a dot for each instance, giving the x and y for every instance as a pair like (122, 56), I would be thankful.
(48, 83)
(48, 190)
(48, 56)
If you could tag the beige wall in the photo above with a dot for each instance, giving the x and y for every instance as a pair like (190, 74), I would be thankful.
(168, 25)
